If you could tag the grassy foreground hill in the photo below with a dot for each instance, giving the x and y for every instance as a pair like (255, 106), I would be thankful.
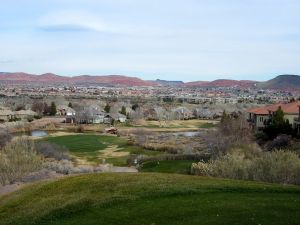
(150, 198)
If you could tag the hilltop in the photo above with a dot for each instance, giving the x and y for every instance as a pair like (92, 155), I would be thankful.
(282, 82)
(149, 198)
(168, 82)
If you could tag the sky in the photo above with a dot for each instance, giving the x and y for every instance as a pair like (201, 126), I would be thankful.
(185, 40)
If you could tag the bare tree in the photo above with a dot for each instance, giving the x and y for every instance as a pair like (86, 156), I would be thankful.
(38, 107)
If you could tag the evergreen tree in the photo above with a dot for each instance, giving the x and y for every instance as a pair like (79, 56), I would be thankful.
(224, 117)
(123, 110)
(278, 118)
(70, 105)
(278, 125)
(134, 106)
(107, 108)
(52, 109)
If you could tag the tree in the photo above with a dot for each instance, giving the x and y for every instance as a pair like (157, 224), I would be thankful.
(38, 107)
(123, 110)
(225, 117)
(107, 108)
(47, 109)
(134, 106)
(70, 105)
(229, 133)
(52, 109)
(279, 117)
(278, 125)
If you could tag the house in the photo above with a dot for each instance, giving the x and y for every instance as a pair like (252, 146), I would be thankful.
(95, 115)
(107, 119)
(99, 118)
(6, 115)
(70, 119)
(68, 112)
(63, 110)
(90, 115)
(119, 117)
(258, 117)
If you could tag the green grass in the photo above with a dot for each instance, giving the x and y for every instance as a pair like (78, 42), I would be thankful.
(145, 198)
(89, 146)
(174, 166)
(86, 142)
(208, 125)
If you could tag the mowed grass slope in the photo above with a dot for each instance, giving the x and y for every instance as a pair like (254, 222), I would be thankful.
(172, 166)
(136, 199)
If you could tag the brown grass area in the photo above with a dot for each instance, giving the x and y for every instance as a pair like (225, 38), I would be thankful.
(112, 151)
(174, 123)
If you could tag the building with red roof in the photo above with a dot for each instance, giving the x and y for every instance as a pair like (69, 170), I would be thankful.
(258, 117)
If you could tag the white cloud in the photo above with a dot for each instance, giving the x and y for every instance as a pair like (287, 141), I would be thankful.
(73, 20)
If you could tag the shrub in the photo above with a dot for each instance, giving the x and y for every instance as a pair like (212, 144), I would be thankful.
(51, 150)
(14, 119)
(5, 137)
(63, 166)
(37, 117)
(280, 142)
(80, 129)
(67, 167)
(276, 167)
(201, 169)
(17, 159)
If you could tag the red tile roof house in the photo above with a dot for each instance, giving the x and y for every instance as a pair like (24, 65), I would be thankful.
(259, 116)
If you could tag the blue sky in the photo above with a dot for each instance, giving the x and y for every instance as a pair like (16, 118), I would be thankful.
(167, 39)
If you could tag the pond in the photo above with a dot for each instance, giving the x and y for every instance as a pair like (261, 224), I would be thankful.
(38, 133)
(187, 133)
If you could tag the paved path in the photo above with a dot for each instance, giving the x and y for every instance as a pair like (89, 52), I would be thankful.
(116, 169)
(9, 188)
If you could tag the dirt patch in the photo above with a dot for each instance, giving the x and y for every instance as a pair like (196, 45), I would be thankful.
(112, 151)
(116, 169)
(61, 133)
(81, 161)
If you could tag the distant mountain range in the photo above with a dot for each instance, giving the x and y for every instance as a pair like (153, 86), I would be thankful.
(50, 78)
(222, 83)
(281, 82)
